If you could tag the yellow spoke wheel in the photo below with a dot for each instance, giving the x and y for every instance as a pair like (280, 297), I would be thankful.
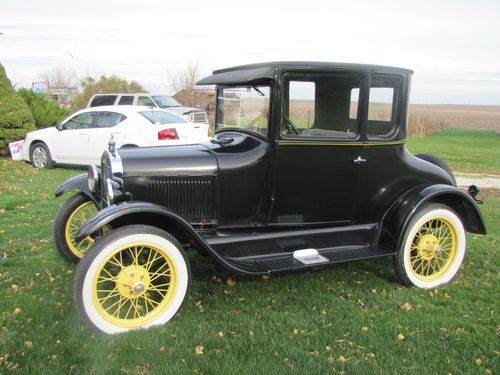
(134, 285)
(77, 218)
(434, 248)
(72, 214)
(134, 277)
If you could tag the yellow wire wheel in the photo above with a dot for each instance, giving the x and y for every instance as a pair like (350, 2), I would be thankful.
(135, 277)
(434, 248)
(72, 214)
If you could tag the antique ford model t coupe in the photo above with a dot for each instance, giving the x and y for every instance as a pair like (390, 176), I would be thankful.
(308, 167)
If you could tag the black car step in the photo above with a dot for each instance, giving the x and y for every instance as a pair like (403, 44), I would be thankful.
(283, 262)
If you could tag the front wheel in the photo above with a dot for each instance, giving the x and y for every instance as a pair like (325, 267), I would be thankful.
(134, 277)
(72, 214)
(40, 156)
(433, 248)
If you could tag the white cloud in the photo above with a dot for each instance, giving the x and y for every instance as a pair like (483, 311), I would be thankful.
(442, 42)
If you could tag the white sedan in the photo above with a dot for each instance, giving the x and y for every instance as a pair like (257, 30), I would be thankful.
(82, 137)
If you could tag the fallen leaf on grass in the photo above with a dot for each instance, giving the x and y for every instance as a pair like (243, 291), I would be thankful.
(343, 359)
(199, 350)
(220, 334)
(406, 307)
(479, 362)
(230, 282)
(401, 337)
(28, 344)
(17, 311)
(364, 329)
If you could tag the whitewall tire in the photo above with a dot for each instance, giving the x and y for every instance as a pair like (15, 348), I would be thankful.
(433, 248)
(134, 277)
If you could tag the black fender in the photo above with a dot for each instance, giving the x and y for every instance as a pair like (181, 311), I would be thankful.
(137, 212)
(80, 183)
(397, 218)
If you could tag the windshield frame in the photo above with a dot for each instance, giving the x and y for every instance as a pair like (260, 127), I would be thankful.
(257, 88)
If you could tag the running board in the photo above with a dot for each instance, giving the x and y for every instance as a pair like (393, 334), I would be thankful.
(303, 259)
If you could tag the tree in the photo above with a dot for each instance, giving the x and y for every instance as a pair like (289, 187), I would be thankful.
(59, 77)
(46, 112)
(15, 117)
(183, 83)
(103, 85)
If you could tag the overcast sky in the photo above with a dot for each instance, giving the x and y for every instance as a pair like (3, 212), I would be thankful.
(453, 46)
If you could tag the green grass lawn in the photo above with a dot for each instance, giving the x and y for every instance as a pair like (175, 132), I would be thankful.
(465, 150)
(343, 319)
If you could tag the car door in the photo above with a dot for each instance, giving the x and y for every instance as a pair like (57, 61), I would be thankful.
(105, 125)
(318, 151)
(71, 143)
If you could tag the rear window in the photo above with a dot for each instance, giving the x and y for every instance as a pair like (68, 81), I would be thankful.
(160, 117)
(103, 100)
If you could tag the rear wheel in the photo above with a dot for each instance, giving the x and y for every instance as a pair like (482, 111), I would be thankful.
(72, 214)
(433, 250)
(135, 277)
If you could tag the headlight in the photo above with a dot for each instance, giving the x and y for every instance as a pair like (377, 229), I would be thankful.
(93, 178)
(112, 173)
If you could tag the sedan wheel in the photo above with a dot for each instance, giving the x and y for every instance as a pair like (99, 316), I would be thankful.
(434, 248)
(135, 277)
(40, 156)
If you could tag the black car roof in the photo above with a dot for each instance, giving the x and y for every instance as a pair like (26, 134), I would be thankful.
(268, 71)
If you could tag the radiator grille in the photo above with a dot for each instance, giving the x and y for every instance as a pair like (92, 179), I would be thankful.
(193, 198)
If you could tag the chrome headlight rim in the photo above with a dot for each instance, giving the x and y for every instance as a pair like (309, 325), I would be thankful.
(94, 176)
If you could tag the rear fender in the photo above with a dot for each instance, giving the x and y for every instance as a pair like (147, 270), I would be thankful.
(396, 220)
(79, 183)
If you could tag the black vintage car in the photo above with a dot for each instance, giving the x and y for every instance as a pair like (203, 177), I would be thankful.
(308, 167)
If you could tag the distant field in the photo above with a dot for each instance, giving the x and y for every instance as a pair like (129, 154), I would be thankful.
(460, 116)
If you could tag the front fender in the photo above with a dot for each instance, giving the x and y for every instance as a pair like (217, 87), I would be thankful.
(80, 183)
(396, 220)
(128, 212)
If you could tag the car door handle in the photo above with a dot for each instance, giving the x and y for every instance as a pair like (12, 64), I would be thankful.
(359, 160)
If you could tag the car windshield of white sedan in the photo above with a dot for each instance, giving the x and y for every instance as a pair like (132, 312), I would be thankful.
(244, 107)
(165, 101)
(162, 117)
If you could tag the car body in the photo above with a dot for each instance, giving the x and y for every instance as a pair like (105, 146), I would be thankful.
(191, 114)
(308, 168)
(82, 137)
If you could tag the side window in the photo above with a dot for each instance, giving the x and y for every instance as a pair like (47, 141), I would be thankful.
(146, 100)
(101, 100)
(383, 106)
(109, 119)
(126, 100)
(321, 106)
(81, 121)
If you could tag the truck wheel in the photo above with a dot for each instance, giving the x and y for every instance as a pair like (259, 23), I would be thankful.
(72, 214)
(134, 277)
(433, 248)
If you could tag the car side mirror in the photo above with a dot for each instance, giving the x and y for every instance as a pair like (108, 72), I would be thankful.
(59, 126)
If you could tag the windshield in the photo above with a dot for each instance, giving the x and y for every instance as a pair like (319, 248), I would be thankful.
(244, 107)
(162, 117)
(165, 101)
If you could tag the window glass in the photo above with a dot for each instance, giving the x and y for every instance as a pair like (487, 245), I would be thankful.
(163, 117)
(109, 119)
(81, 121)
(353, 111)
(126, 100)
(382, 107)
(321, 105)
(165, 101)
(244, 107)
(103, 100)
(146, 100)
